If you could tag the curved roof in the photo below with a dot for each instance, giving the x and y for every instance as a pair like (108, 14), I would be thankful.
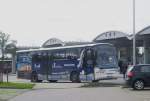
(52, 42)
(144, 31)
(111, 35)
(64, 47)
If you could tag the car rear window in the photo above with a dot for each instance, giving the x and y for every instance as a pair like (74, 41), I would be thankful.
(137, 68)
(134, 68)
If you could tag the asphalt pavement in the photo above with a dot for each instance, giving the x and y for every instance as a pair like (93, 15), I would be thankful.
(67, 91)
(83, 94)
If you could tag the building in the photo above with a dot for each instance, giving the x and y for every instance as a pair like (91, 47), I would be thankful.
(54, 42)
(122, 41)
(143, 40)
(124, 44)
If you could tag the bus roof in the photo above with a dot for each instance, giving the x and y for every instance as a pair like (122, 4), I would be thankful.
(63, 47)
(5, 60)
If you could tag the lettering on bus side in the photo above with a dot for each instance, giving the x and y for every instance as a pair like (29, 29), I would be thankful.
(37, 66)
(69, 65)
(56, 66)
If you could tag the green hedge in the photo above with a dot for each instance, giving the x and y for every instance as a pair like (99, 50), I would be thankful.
(12, 85)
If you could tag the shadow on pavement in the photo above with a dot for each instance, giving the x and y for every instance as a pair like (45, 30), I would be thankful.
(145, 90)
(101, 84)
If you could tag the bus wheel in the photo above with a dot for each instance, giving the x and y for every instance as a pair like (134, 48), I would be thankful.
(39, 80)
(95, 81)
(74, 77)
(53, 81)
(34, 77)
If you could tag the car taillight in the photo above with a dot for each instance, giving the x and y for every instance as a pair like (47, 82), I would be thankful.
(130, 74)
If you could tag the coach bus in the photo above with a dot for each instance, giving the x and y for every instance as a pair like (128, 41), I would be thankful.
(90, 62)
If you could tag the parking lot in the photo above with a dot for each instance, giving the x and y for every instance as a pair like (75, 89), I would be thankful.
(84, 94)
(66, 91)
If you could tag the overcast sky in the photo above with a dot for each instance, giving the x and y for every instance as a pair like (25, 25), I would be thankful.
(31, 22)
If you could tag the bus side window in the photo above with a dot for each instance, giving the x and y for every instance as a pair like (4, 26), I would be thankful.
(36, 58)
(72, 54)
(59, 54)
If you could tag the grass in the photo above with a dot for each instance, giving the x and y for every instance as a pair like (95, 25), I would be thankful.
(12, 85)
(7, 92)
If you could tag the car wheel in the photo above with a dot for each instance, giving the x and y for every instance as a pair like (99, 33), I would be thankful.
(138, 85)
(75, 77)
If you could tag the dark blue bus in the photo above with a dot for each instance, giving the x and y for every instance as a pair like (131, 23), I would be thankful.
(90, 62)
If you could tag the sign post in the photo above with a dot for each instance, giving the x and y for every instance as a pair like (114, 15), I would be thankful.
(1, 73)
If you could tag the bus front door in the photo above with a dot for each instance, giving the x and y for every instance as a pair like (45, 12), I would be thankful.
(89, 61)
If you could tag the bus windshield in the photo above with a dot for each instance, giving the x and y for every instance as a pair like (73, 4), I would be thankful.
(106, 57)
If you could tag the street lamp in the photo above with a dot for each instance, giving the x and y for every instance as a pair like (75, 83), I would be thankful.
(134, 35)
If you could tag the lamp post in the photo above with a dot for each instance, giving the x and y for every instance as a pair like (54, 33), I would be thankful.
(134, 35)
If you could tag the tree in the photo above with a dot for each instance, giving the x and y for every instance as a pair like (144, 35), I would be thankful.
(11, 49)
(6, 46)
(3, 40)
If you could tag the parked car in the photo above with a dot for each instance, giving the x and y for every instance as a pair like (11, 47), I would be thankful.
(138, 76)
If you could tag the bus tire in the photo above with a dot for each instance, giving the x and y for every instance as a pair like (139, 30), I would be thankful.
(52, 81)
(39, 81)
(74, 77)
(95, 81)
(34, 77)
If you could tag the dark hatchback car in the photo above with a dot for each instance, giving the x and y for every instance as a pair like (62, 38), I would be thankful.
(138, 76)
